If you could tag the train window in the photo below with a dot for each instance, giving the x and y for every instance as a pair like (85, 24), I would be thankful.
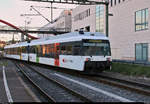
(43, 50)
(47, 49)
(63, 50)
(38, 50)
(24, 49)
(32, 49)
(69, 50)
(52, 51)
(76, 50)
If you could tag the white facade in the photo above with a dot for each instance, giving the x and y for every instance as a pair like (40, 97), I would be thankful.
(125, 40)
(123, 36)
(84, 21)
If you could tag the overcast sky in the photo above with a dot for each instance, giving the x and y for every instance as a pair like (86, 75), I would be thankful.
(10, 10)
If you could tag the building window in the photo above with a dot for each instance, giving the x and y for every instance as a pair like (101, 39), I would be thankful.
(141, 52)
(100, 18)
(82, 15)
(87, 29)
(141, 20)
(115, 2)
(111, 2)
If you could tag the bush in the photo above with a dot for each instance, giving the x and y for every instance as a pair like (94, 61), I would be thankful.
(131, 69)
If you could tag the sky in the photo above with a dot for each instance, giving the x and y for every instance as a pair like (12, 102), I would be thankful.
(10, 11)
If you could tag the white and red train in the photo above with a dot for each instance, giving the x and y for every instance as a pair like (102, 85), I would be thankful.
(86, 51)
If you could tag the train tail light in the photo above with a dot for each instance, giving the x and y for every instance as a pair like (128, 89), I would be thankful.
(87, 59)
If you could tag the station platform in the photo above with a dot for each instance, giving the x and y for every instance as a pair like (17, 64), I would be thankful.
(12, 87)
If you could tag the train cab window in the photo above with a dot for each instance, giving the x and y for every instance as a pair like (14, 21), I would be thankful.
(93, 48)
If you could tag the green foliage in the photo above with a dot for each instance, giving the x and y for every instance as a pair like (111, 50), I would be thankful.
(130, 69)
(3, 63)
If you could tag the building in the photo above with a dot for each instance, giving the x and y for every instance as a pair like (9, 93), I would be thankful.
(128, 27)
(83, 17)
(62, 23)
(129, 30)
(89, 18)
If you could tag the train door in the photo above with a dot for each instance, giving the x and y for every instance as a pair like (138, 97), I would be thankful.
(20, 53)
(28, 52)
(57, 52)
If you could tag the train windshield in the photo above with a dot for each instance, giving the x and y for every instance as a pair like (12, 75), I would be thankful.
(96, 48)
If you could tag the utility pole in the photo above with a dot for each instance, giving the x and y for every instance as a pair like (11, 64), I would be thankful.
(51, 12)
(107, 18)
(13, 39)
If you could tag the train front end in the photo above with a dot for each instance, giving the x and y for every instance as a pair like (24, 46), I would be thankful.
(96, 54)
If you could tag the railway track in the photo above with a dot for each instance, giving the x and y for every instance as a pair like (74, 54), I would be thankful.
(137, 87)
(42, 92)
(126, 84)
(72, 93)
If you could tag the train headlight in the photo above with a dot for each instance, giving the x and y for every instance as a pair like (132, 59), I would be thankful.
(109, 59)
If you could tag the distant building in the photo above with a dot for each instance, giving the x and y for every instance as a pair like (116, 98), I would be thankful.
(129, 27)
(62, 23)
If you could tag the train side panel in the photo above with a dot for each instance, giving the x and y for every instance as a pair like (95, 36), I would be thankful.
(12, 56)
(47, 61)
(24, 56)
(33, 58)
(72, 62)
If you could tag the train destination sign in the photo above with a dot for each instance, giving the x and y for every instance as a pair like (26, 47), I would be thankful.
(94, 41)
(96, 44)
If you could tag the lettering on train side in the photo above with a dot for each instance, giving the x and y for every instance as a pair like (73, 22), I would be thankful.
(66, 60)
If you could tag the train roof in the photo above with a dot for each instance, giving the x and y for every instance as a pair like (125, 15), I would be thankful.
(21, 44)
(68, 37)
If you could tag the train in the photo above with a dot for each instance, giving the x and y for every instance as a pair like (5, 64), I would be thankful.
(80, 51)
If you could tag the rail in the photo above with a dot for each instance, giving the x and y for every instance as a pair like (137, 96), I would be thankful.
(74, 93)
(49, 98)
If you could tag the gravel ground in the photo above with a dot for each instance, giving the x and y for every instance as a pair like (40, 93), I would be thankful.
(96, 96)
(58, 93)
